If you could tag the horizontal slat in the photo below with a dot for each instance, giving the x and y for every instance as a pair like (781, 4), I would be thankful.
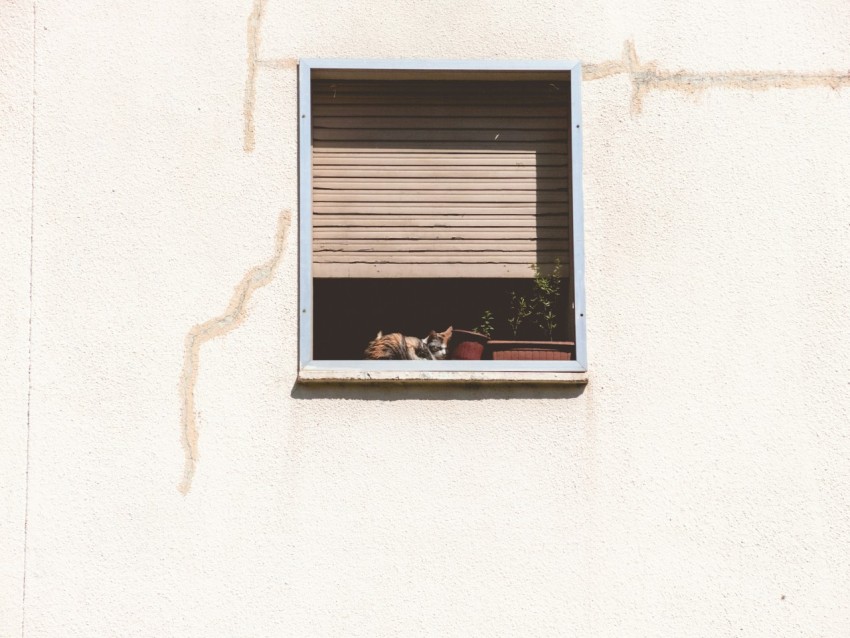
(403, 185)
(467, 75)
(448, 110)
(502, 210)
(440, 257)
(437, 196)
(382, 146)
(434, 157)
(439, 135)
(531, 121)
(503, 100)
(500, 270)
(463, 87)
(492, 97)
(445, 172)
(434, 242)
(370, 223)
(456, 246)
(428, 233)
(436, 150)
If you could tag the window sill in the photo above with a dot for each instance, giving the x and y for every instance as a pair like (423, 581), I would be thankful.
(441, 376)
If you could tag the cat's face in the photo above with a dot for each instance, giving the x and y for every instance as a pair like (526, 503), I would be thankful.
(438, 343)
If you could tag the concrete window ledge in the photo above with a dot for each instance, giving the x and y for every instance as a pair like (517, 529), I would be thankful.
(441, 376)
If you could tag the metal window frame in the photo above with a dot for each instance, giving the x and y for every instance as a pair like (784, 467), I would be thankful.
(305, 291)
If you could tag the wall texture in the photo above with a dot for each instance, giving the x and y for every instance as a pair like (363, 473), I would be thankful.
(698, 486)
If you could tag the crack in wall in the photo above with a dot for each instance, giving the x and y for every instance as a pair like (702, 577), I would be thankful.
(25, 564)
(233, 317)
(255, 20)
(646, 77)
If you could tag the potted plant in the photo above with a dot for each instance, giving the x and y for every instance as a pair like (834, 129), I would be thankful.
(540, 309)
(469, 344)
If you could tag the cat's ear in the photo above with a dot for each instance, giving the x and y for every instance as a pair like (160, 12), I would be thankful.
(448, 331)
(380, 334)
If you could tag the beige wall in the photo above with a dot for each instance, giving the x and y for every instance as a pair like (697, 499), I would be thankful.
(698, 486)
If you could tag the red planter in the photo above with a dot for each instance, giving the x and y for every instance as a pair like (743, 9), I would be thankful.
(531, 350)
(467, 345)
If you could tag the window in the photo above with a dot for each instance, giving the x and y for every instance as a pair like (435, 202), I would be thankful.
(431, 192)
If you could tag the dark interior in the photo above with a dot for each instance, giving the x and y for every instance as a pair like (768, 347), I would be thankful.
(348, 313)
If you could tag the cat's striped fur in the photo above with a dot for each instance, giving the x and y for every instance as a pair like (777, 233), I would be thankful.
(399, 346)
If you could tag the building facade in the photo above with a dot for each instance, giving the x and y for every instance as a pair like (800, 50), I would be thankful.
(165, 473)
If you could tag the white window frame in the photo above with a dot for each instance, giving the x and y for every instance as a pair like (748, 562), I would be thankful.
(312, 369)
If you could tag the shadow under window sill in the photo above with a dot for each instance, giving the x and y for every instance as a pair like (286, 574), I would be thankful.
(307, 376)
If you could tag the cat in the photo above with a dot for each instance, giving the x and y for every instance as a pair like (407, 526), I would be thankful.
(398, 346)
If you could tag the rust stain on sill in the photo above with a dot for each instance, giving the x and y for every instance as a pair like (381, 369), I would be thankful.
(255, 20)
(233, 317)
(647, 77)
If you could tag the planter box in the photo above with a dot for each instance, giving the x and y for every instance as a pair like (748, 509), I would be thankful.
(531, 350)
(467, 345)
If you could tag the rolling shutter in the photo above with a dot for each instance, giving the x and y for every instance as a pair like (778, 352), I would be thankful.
(439, 178)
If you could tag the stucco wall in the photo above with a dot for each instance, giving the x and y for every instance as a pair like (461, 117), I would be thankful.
(698, 486)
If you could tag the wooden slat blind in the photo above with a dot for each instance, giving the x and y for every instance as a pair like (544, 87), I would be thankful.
(439, 178)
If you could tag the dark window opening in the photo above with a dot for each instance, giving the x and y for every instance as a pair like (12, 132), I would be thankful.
(349, 312)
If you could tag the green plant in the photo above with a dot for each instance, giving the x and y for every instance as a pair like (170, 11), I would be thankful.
(486, 325)
(521, 310)
(542, 304)
(546, 292)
